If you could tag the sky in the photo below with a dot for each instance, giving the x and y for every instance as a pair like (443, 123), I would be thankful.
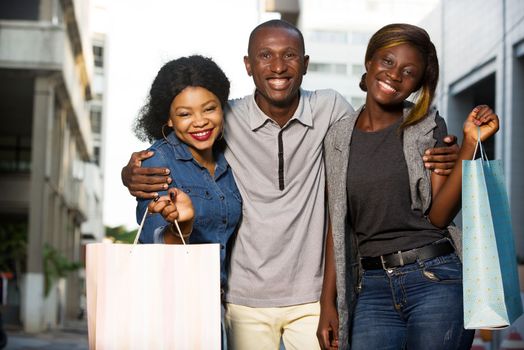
(141, 37)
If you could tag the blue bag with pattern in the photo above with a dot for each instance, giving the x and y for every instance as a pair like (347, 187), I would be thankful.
(490, 278)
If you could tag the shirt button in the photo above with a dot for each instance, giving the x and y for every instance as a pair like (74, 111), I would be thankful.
(224, 221)
(221, 197)
(222, 246)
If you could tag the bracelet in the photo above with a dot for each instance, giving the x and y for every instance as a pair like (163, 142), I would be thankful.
(175, 233)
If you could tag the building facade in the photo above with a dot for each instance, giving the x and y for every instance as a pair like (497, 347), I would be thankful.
(47, 152)
(337, 32)
(481, 52)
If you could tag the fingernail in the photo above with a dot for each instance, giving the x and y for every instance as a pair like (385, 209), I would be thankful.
(167, 171)
(425, 158)
(169, 180)
(164, 186)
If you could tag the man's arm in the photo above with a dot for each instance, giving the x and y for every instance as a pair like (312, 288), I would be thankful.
(144, 182)
(442, 159)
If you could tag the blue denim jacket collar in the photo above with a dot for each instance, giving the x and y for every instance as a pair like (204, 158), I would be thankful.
(182, 152)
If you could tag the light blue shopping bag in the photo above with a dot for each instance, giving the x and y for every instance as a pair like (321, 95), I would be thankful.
(491, 282)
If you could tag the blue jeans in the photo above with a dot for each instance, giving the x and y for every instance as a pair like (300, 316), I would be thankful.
(416, 306)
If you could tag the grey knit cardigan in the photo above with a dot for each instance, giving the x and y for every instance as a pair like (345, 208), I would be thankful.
(416, 139)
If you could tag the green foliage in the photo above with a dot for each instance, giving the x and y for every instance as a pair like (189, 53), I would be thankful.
(56, 266)
(13, 247)
(119, 234)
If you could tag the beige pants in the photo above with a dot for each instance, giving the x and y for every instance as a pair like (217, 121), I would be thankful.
(261, 328)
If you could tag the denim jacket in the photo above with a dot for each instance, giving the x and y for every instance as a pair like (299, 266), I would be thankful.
(217, 202)
(416, 139)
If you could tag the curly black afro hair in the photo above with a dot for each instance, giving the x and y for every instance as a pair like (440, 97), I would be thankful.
(171, 79)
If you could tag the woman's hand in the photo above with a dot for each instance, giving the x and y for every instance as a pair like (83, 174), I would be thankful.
(447, 197)
(481, 116)
(176, 205)
(327, 331)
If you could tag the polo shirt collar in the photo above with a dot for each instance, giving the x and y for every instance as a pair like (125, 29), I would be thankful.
(258, 118)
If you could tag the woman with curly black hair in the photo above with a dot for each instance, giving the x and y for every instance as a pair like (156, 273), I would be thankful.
(184, 118)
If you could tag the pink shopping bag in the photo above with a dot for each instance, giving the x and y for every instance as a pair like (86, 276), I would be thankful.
(153, 296)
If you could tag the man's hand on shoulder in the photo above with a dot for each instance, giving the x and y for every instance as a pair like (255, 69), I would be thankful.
(144, 182)
(441, 160)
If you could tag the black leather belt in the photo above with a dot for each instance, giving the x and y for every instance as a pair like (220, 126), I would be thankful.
(407, 257)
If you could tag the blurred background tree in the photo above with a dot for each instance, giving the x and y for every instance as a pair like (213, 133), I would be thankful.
(119, 234)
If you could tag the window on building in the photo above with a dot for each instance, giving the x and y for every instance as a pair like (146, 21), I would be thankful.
(98, 53)
(96, 155)
(96, 119)
(330, 37)
(328, 68)
(360, 38)
(357, 70)
(19, 10)
(15, 153)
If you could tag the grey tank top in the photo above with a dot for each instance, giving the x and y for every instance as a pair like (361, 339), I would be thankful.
(379, 202)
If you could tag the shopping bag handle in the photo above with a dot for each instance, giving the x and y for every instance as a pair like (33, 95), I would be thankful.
(142, 225)
(483, 155)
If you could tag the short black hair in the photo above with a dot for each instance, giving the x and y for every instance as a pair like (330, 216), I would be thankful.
(171, 79)
(276, 23)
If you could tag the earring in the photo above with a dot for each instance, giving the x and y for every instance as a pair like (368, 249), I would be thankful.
(362, 83)
(164, 135)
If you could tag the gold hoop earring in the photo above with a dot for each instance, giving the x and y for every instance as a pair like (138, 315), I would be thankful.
(164, 135)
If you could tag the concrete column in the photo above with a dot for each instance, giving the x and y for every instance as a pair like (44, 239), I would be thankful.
(33, 282)
(47, 9)
(74, 289)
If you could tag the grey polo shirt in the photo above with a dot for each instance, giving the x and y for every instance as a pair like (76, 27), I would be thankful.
(277, 258)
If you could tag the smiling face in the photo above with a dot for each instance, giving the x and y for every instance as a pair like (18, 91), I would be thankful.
(196, 117)
(277, 63)
(393, 74)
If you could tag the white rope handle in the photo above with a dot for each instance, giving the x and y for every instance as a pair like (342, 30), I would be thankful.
(483, 155)
(180, 232)
(142, 225)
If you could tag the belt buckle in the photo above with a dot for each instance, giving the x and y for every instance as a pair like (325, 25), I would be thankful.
(401, 258)
(383, 262)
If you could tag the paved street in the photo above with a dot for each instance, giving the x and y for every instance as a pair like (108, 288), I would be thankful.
(72, 337)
